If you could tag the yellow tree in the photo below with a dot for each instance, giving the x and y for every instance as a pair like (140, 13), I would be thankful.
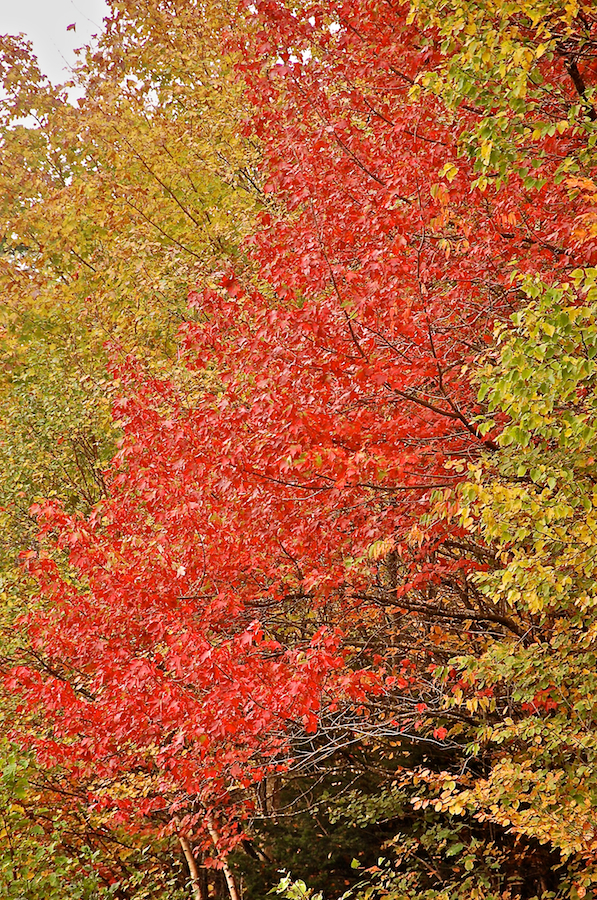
(112, 208)
(534, 501)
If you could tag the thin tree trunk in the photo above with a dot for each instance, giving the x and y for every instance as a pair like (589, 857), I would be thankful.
(193, 870)
(228, 874)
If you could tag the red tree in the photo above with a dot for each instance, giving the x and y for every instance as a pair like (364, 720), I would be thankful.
(236, 586)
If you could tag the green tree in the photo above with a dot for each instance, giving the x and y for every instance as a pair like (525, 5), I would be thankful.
(535, 502)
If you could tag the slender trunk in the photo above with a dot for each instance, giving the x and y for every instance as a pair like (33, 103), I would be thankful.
(193, 870)
(228, 874)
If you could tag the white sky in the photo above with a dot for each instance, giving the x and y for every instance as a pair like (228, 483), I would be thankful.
(45, 23)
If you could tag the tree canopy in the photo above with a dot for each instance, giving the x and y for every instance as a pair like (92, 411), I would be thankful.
(297, 453)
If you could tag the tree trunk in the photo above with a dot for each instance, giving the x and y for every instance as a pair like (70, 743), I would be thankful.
(228, 874)
(193, 870)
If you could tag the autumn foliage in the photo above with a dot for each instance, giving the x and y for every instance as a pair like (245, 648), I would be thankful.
(308, 520)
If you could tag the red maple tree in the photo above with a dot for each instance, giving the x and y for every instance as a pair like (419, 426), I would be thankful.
(235, 588)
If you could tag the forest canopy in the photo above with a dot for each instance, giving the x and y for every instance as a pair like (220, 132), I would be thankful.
(297, 466)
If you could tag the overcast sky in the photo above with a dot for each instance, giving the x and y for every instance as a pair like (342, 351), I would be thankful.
(45, 23)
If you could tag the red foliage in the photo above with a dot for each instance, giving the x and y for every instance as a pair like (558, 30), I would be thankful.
(222, 587)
